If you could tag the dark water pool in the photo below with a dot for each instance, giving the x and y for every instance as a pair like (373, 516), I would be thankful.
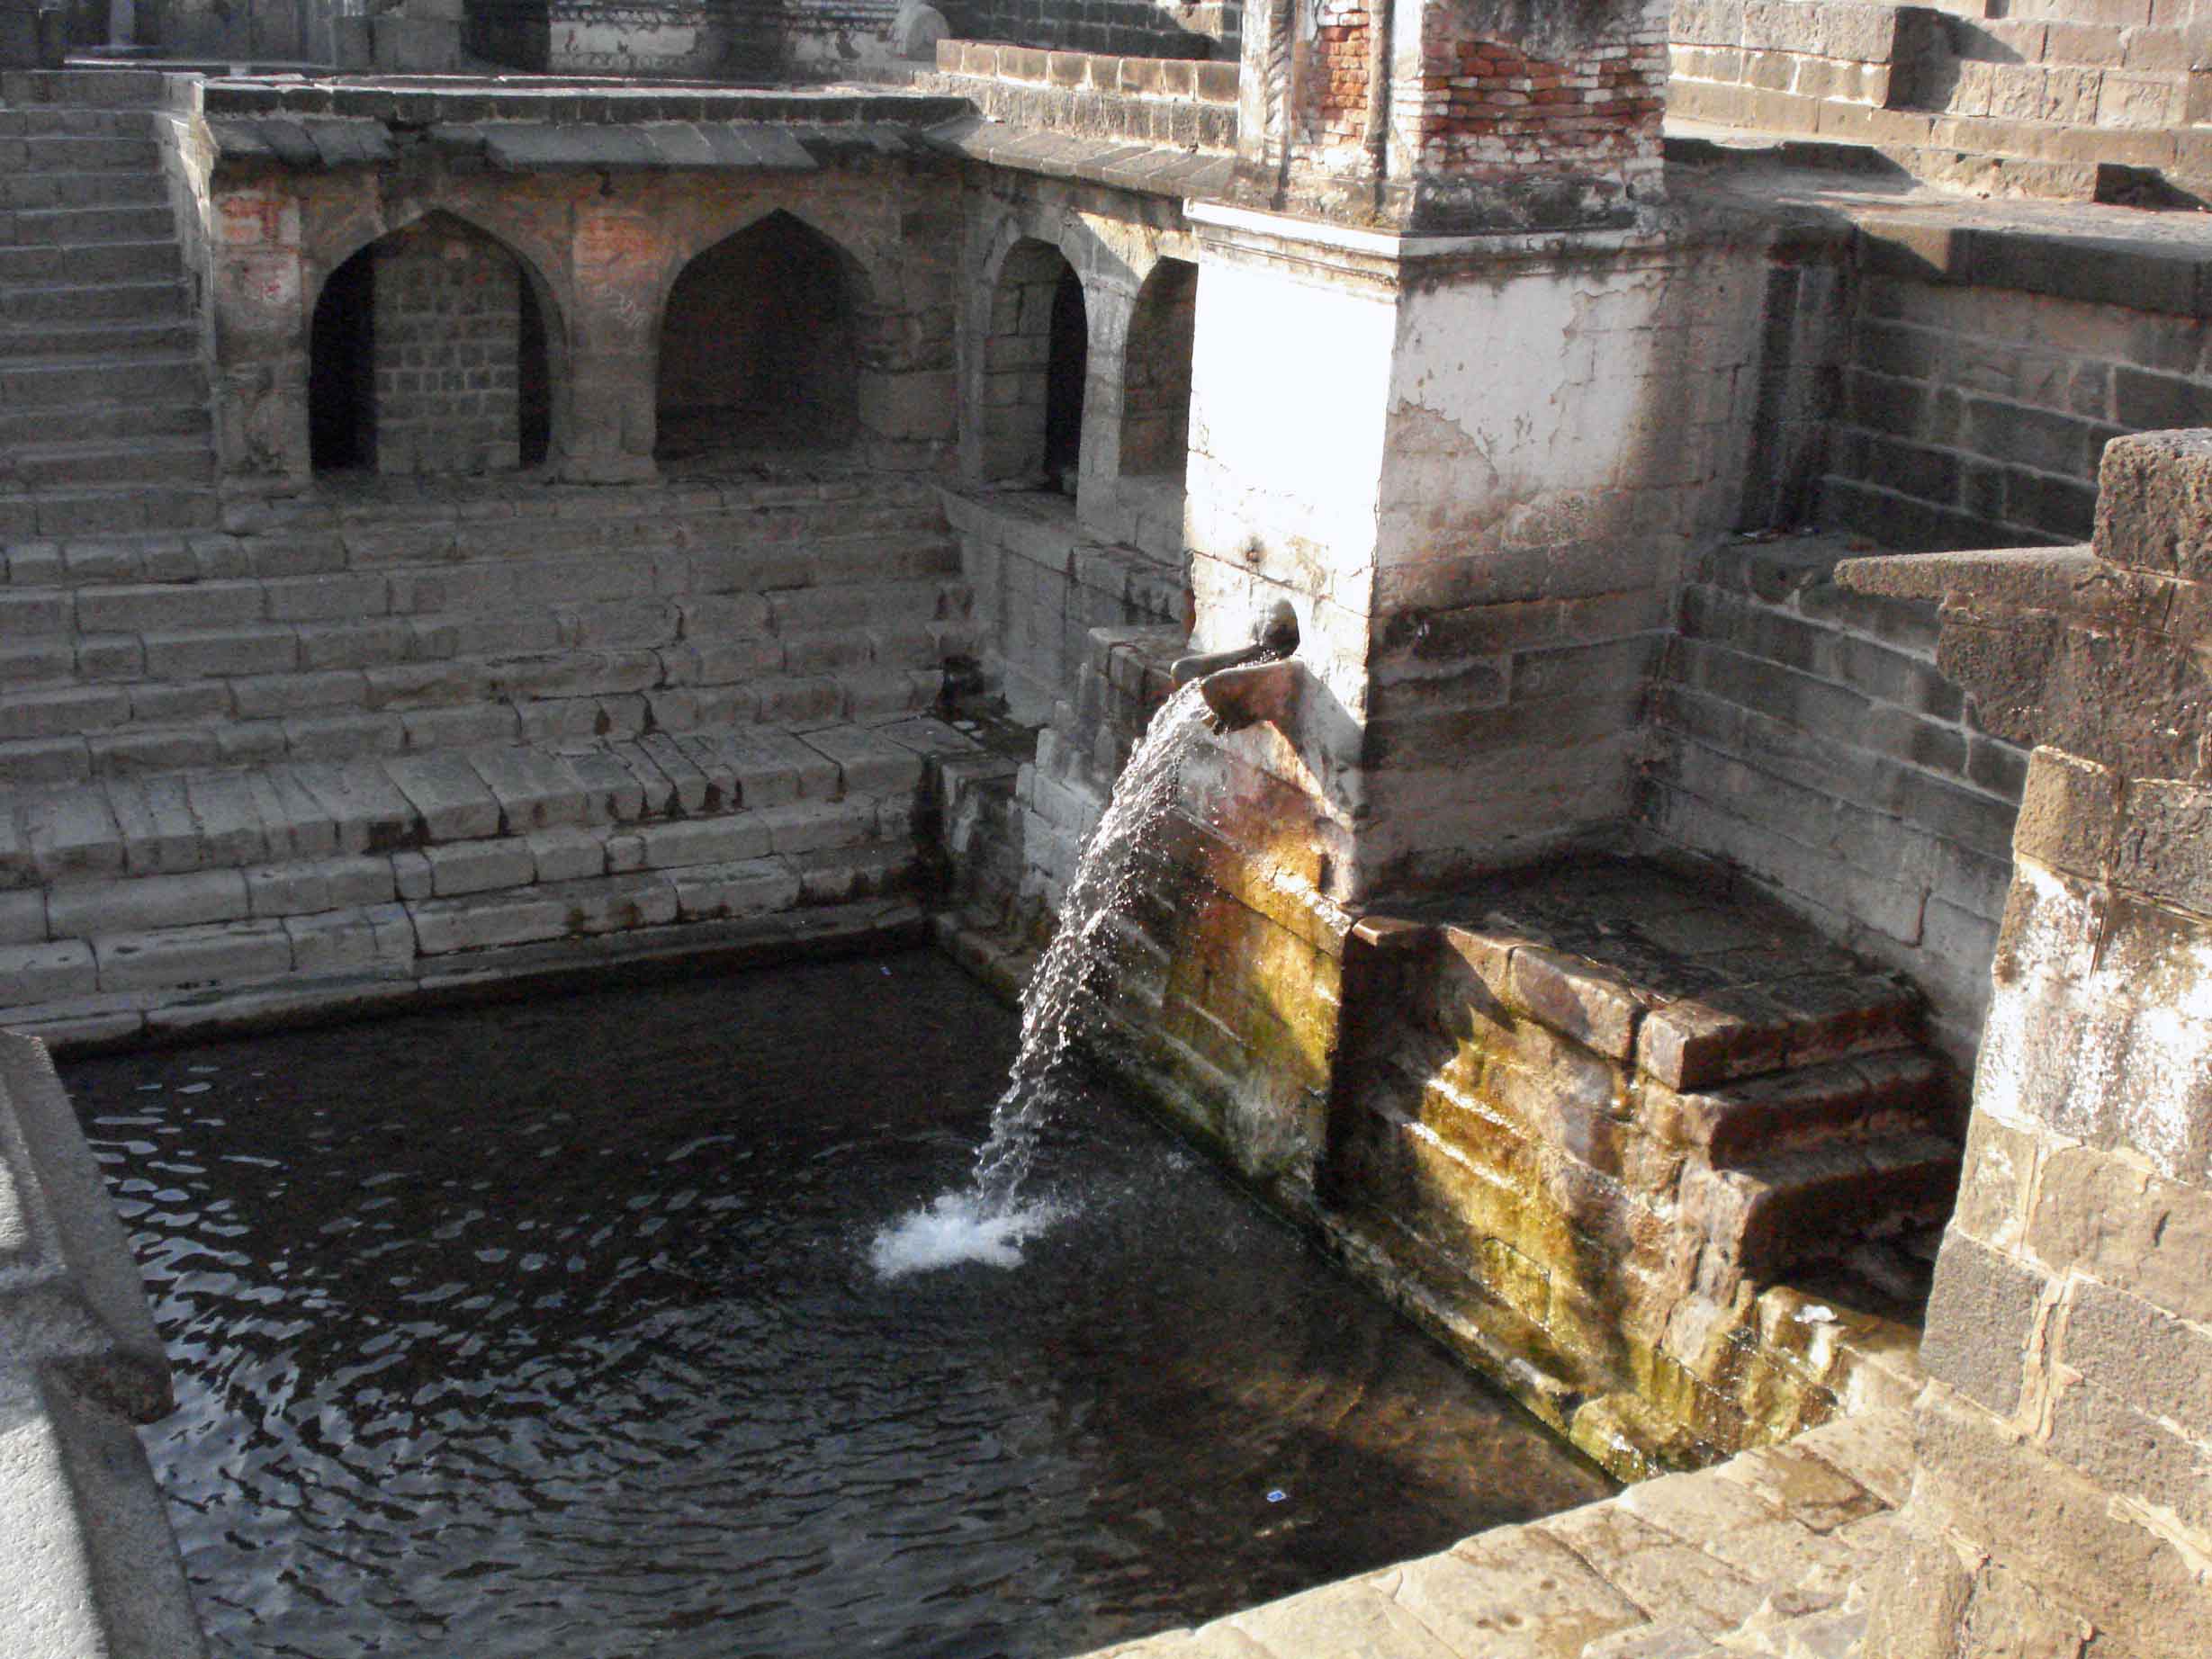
(548, 1330)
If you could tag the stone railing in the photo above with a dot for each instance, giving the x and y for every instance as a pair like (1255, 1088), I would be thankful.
(90, 1566)
(1172, 101)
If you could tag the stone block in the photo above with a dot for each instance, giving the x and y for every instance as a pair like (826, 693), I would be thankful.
(1981, 1321)
(2154, 503)
(2099, 1213)
(47, 973)
(2142, 1354)
(178, 958)
(480, 867)
(567, 854)
(712, 840)
(351, 941)
(751, 887)
(89, 910)
(1476, 1598)
(320, 884)
(23, 917)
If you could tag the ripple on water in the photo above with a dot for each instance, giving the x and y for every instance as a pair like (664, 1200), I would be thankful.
(554, 1329)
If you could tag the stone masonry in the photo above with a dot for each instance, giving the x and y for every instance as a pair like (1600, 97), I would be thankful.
(2059, 1506)
(448, 333)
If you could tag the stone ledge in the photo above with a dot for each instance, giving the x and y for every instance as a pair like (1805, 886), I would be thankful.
(1761, 1555)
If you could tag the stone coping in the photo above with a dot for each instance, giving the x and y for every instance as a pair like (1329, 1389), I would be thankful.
(462, 99)
(2091, 252)
(519, 146)
(1145, 168)
(1204, 80)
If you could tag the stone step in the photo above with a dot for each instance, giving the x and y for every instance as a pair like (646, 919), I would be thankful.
(1796, 1208)
(71, 732)
(90, 153)
(98, 261)
(667, 790)
(110, 461)
(133, 510)
(34, 305)
(73, 121)
(103, 422)
(345, 963)
(58, 187)
(166, 338)
(58, 382)
(85, 225)
(1740, 1124)
(108, 88)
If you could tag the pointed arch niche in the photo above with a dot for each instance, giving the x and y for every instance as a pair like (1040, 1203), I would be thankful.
(1035, 360)
(760, 347)
(428, 354)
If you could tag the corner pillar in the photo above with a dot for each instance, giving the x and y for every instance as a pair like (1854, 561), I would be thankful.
(2060, 1506)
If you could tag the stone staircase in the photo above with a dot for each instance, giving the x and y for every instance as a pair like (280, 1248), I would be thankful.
(395, 737)
(1607, 1111)
(105, 425)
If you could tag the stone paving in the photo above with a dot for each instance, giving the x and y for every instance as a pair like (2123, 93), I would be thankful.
(1759, 1555)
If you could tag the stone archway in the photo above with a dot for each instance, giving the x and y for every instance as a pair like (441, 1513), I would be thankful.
(1036, 357)
(428, 352)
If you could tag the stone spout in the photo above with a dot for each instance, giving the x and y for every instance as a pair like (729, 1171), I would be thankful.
(1245, 695)
(1253, 683)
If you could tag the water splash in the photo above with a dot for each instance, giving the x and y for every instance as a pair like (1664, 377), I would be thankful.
(988, 1221)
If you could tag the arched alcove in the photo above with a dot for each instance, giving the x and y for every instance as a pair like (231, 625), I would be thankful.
(758, 346)
(1035, 359)
(427, 352)
(1155, 372)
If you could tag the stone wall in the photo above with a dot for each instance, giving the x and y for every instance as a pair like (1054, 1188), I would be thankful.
(447, 334)
(2059, 1505)
(1987, 370)
(91, 1566)
(1806, 737)
(1094, 95)
(601, 250)
(2030, 101)
(1117, 28)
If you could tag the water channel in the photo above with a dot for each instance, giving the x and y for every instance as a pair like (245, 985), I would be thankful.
(550, 1329)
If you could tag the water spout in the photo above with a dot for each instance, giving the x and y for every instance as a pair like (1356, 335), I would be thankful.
(1254, 683)
(1244, 696)
(1277, 637)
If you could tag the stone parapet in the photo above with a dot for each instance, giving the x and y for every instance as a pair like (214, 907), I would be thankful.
(1151, 100)
(2059, 100)
(92, 1570)
(1756, 1556)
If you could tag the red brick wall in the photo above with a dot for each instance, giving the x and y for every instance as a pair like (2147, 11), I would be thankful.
(1485, 102)
(1336, 77)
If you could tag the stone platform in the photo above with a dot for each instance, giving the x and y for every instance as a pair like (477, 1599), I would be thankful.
(1758, 1557)
(1658, 1149)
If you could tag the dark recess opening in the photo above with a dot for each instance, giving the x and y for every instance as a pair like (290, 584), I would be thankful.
(533, 380)
(758, 346)
(1065, 368)
(341, 401)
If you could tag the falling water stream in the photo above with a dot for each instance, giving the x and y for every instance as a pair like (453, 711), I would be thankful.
(988, 1219)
